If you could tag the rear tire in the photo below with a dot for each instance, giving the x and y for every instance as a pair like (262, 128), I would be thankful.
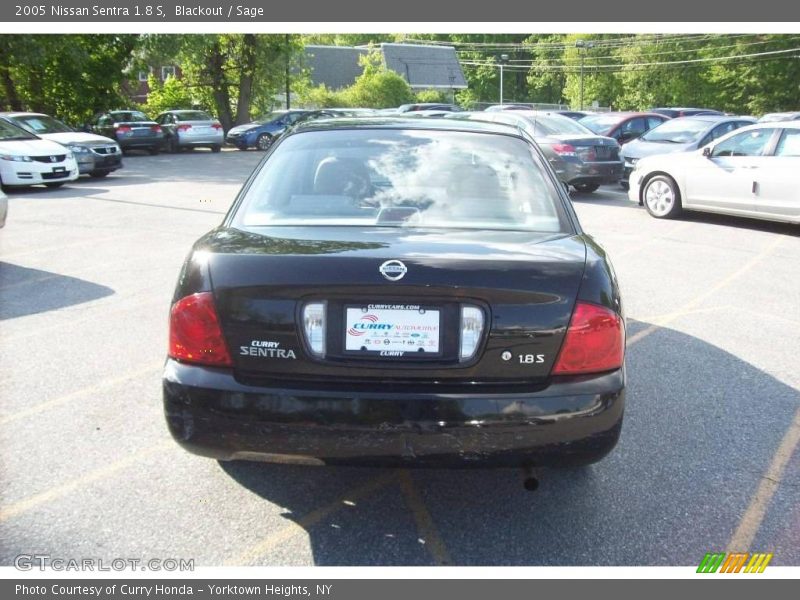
(172, 146)
(99, 174)
(661, 197)
(264, 141)
(216, 148)
(586, 188)
(154, 150)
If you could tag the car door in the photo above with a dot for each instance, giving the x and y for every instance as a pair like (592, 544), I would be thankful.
(777, 194)
(630, 130)
(724, 179)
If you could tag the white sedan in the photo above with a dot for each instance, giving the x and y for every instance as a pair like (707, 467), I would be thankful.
(751, 172)
(27, 159)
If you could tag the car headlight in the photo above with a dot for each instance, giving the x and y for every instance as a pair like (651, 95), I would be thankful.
(16, 158)
(79, 149)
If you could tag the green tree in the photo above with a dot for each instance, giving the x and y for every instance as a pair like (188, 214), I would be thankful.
(172, 94)
(378, 86)
(68, 76)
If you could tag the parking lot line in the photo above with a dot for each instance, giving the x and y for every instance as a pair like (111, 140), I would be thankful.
(97, 387)
(65, 488)
(347, 499)
(666, 319)
(429, 534)
(751, 521)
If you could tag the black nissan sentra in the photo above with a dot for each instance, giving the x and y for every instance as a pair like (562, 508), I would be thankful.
(398, 292)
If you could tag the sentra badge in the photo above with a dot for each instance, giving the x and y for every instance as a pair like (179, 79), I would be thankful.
(393, 270)
(266, 349)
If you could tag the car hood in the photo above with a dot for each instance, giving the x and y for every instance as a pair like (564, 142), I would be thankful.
(77, 137)
(245, 127)
(641, 148)
(32, 147)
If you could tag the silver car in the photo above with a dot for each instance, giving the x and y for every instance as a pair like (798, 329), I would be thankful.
(750, 172)
(190, 129)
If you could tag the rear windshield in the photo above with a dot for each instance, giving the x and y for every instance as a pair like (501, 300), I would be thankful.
(677, 131)
(193, 115)
(558, 125)
(130, 116)
(403, 178)
(41, 124)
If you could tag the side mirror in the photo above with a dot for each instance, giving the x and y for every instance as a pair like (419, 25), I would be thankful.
(707, 151)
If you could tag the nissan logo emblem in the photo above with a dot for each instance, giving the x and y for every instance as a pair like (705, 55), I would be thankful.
(393, 270)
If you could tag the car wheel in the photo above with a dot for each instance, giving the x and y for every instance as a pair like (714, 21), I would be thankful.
(661, 196)
(586, 188)
(216, 148)
(625, 185)
(99, 174)
(55, 184)
(264, 141)
(154, 150)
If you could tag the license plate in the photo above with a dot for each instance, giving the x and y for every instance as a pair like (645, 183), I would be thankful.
(392, 330)
(59, 169)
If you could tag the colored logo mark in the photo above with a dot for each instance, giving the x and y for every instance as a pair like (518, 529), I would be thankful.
(734, 562)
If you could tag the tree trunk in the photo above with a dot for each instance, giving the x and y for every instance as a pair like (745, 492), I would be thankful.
(219, 86)
(246, 78)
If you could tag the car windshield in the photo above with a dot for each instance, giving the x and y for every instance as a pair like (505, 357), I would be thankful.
(41, 124)
(9, 132)
(130, 116)
(677, 131)
(193, 115)
(599, 123)
(403, 178)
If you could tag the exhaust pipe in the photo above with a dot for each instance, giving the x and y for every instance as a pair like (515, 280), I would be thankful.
(530, 482)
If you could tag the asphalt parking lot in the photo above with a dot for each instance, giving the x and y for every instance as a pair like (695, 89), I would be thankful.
(708, 458)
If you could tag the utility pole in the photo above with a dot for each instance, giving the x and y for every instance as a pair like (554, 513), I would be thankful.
(503, 60)
(288, 54)
(582, 46)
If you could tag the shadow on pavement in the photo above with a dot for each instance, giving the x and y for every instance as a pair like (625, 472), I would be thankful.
(700, 428)
(25, 291)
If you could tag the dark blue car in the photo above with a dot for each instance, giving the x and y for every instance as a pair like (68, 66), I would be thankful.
(260, 134)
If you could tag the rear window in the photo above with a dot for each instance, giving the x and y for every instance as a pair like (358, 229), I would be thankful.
(599, 123)
(193, 115)
(130, 116)
(403, 178)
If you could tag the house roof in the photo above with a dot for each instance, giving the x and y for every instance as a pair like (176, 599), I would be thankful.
(424, 67)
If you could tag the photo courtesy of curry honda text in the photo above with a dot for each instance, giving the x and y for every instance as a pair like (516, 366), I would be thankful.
(395, 291)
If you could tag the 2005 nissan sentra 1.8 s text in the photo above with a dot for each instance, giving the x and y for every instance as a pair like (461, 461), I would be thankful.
(398, 292)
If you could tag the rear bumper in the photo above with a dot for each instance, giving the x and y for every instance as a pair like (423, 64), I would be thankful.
(571, 422)
(149, 141)
(205, 139)
(591, 173)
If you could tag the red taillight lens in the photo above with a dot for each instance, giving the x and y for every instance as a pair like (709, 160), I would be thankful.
(195, 334)
(123, 129)
(564, 149)
(595, 341)
(217, 125)
(156, 128)
(184, 127)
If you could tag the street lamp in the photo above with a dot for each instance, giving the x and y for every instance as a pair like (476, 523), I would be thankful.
(582, 45)
(503, 60)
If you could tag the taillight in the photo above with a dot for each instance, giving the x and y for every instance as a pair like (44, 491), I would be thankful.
(217, 125)
(123, 129)
(314, 327)
(195, 334)
(155, 128)
(184, 127)
(595, 341)
(471, 330)
(564, 149)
